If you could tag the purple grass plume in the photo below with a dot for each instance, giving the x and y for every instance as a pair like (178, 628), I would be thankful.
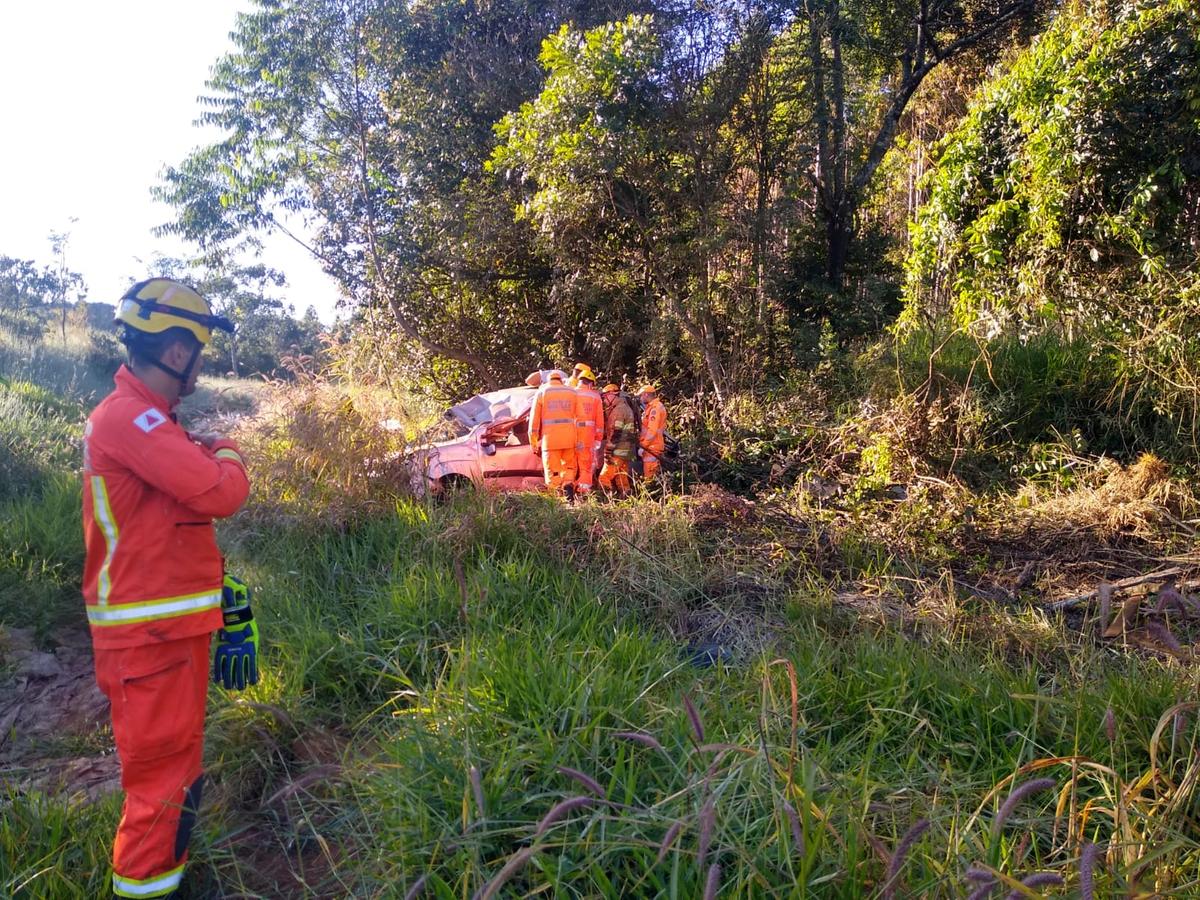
(980, 876)
(1163, 635)
(640, 737)
(1110, 725)
(418, 886)
(1105, 591)
(712, 884)
(511, 868)
(1036, 880)
(477, 789)
(906, 843)
(1087, 871)
(583, 778)
(569, 805)
(694, 718)
(797, 830)
(708, 815)
(1014, 799)
(668, 840)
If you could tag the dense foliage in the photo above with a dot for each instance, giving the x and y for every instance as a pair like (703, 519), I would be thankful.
(650, 185)
(1069, 199)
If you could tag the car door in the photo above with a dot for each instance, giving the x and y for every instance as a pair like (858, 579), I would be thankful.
(510, 464)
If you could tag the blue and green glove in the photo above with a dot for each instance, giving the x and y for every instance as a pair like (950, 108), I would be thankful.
(236, 662)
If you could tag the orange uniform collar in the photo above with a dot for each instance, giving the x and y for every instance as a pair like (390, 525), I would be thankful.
(128, 383)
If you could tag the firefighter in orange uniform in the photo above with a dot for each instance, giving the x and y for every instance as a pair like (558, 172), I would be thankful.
(589, 435)
(653, 438)
(153, 580)
(552, 431)
(620, 441)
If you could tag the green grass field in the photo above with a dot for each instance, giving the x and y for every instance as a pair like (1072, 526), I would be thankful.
(504, 697)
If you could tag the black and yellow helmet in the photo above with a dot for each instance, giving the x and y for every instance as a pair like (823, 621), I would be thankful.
(156, 304)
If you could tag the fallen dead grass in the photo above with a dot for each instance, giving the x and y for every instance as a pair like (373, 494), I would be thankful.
(1139, 501)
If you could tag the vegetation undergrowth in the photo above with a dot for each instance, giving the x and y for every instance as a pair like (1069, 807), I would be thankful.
(614, 699)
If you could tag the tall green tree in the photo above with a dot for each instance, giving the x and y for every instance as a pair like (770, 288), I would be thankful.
(375, 117)
(860, 64)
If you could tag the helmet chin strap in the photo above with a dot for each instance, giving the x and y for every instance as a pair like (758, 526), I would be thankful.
(186, 374)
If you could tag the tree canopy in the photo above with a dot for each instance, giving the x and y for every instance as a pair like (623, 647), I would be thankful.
(649, 185)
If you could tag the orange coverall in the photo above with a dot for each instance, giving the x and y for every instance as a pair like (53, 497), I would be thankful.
(589, 435)
(152, 589)
(552, 427)
(653, 438)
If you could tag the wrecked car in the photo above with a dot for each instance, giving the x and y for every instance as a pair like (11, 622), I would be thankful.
(493, 450)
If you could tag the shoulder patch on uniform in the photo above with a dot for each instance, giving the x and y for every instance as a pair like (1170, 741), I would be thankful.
(149, 420)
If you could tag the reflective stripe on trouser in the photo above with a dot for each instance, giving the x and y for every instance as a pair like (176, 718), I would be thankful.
(585, 463)
(650, 466)
(157, 692)
(616, 473)
(559, 468)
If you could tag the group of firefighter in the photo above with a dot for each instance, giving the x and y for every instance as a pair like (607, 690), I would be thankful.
(587, 436)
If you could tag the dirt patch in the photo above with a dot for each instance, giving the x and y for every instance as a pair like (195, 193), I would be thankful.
(54, 718)
(711, 506)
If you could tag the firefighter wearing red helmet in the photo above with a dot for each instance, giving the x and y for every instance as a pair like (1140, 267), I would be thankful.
(154, 583)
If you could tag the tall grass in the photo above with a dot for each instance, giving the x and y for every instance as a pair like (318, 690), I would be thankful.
(495, 697)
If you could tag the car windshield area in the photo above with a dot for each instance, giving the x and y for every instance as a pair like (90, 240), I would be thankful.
(507, 432)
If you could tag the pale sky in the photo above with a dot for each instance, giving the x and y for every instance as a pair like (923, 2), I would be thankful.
(95, 98)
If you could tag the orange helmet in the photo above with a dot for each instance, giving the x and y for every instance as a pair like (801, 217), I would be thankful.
(647, 388)
(611, 389)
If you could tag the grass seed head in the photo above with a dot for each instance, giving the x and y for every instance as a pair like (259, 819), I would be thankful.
(1014, 799)
(980, 876)
(1163, 635)
(1087, 871)
(708, 816)
(639, 737)
(558, 811)
(713, 883)
(906, 843)
(1038, 879)
(1105, 592)
(1110, 725)
(514, 865)
(668, 840)
(418, 886)
(797, 830)
(694, 718)
(583, 778)
(477, 789)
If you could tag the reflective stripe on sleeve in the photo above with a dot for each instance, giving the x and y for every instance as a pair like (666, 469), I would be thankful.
(147, 887)
(147, 610)
(230, 453)
(103, 513)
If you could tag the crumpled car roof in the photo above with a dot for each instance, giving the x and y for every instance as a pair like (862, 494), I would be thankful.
(507, 403)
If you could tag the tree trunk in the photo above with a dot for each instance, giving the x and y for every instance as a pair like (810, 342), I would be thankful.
(839, 232)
